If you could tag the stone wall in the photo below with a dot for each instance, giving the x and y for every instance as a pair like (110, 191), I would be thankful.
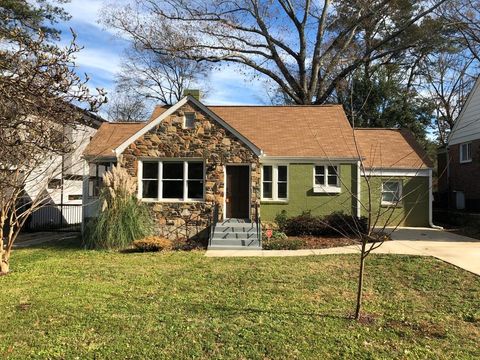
(207, 140)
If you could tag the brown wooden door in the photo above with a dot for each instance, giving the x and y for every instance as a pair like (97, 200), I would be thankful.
(238, 192)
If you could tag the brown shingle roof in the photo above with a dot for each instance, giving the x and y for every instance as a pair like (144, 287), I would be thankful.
(293, 131)
(109, 136)
(391, 148)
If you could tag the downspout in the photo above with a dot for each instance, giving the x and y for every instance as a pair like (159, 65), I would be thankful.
(430, 202)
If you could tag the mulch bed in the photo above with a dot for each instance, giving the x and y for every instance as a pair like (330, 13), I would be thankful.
(322, 242)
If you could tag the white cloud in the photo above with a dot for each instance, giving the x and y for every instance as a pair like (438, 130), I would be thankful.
(86, 11)
(229, 86)
(100, 59)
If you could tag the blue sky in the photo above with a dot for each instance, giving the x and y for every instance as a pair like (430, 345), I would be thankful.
(101, 58)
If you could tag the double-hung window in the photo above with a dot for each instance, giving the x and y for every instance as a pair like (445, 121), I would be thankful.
(275, 182)
(465, 152)
(326, 178)
(391, 192)
(172, 180)
(95, 176)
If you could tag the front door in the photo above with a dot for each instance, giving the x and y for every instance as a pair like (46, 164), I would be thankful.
(238, 192)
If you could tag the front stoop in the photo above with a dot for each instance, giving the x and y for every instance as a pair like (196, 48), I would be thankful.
(235, 234)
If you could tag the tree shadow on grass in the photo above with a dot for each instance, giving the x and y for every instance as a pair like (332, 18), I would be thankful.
(235, 310)
(68, 243)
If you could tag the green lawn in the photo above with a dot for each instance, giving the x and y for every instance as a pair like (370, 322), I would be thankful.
(68, 303)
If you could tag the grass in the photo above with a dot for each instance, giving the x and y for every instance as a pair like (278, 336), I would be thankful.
(68, 303)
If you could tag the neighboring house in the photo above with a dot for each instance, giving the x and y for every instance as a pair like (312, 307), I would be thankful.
(459, 161)
(59, 181)
(193, 162)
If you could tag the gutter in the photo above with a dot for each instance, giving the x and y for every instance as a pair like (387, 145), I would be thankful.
(430, 202)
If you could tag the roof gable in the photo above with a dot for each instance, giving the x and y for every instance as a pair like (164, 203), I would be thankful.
(169, 111)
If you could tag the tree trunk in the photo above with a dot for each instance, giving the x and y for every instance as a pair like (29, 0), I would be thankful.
(4, 267)
(4, 258)
(360, 282)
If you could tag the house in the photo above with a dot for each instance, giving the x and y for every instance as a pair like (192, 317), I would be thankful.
(197, 164)
(459, 161)
(58, 182)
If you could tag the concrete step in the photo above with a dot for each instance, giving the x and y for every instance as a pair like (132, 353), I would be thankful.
(230, 235)
(235, 234)
(235, 242)
(235, 229)
(233, 247)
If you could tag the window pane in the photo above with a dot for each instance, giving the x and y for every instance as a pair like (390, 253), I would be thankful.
(195, 170)
(267, 173)
(282, 173)
(172, 190)
(319, 170)
(173, 170)
(392, 186)
(388, 197)
(150, 170)
(150, 189)
(332, 176)
(267, 190)
(92, 169)
(282, 190)
(189, 120)
(320, 180)
(195, 189)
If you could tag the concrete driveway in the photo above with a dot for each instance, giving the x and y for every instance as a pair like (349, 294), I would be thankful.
(460, 251)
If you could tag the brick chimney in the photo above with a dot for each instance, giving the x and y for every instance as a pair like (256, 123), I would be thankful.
(192, 92)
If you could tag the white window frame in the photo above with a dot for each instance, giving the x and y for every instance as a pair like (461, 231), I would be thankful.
(468, 147)
(274, 182)
(400, 193)
(95, 182)
(325, 187)
(160, 179)
(185, 116)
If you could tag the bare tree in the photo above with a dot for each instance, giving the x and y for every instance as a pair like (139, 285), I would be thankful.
(464, 15)
(448, 79)
(305, 47)
(38, 84)
(156, 77)
(126, 106)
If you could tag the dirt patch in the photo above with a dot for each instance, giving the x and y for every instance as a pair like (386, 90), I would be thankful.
(323, 242)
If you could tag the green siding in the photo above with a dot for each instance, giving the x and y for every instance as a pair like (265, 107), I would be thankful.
(414, 208)
(302, 198)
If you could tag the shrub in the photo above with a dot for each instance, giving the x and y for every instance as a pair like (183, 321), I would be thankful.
(305, 224)
(153, 243)
(122, 218)
(283, 243)
(343, 224)
(281, 220)
(336, 223)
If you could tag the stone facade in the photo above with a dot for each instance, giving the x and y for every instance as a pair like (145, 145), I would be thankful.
(207, 140)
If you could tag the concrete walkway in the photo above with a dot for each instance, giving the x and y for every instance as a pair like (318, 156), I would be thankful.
(460, 251)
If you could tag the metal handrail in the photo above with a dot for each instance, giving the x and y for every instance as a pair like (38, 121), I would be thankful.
(259, 224)
(167, 233)
(213, 221)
